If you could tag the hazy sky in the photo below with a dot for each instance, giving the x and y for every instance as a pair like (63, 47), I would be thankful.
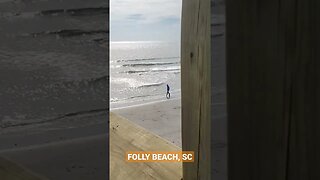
(145, 20)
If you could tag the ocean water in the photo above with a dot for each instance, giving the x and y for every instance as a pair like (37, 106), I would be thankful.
(53, 60)
(140, 70)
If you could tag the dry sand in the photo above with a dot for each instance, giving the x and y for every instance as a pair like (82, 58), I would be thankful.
(162, 118)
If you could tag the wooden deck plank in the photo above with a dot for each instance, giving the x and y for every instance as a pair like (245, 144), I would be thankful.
(127, 136)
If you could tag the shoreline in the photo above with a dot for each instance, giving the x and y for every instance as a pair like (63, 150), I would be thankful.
(125, 105)
(155, 99)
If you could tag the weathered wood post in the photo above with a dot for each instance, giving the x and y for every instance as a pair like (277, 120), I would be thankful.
(196, 87)
(273, 84)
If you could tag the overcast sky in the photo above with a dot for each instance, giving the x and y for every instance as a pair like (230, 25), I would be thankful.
(145, 20)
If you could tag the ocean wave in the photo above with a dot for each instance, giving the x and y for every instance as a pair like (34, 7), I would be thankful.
(91, 11)
(10, 124)
(69, 33)
(146, 71)
(101, 40)
(149, 64)
(150, 85)
(98, 84)
(104, 78)
(92, 81)
(146, 59)
(76, 12)
(10, 15)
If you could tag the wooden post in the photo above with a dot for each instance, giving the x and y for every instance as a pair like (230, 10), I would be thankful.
(196, 87)
(273, 84)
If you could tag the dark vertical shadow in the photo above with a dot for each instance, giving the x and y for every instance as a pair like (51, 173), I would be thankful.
(218, 89)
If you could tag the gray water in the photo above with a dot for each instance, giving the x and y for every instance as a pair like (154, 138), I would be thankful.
(140, 71)
(53, 60)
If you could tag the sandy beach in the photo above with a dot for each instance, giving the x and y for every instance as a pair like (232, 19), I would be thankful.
(162, 118)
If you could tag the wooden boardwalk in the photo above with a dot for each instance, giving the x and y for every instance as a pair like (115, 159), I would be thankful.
(127, 136)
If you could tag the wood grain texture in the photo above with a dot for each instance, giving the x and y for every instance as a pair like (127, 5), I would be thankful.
(127, 136)
(12, 171)
(196, 87)
(273, 80)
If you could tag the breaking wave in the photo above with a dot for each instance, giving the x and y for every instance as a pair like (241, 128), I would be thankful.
(150, 85)
(146, 59)
(64, 33)
(76, 12)
(145, 71)
(149, 64)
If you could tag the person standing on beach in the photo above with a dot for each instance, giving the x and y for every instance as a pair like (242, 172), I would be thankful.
(168, 92)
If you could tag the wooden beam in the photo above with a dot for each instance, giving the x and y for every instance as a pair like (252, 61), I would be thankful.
(273, 84)
(126, 136)
(196, 87)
